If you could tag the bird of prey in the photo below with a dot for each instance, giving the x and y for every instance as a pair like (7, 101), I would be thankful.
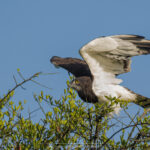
(104, 59)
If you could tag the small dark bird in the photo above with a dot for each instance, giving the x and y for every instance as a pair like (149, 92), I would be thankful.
(105, 58)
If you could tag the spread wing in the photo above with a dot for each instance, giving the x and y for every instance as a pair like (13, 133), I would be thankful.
(108, 56)
(76, 66)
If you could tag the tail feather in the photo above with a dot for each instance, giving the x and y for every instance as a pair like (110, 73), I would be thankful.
(143, 101)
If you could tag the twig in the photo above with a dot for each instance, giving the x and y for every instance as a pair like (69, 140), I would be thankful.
(40, 106)
(21, 75)
(97, 130)
(18, 85)
(133, 127)
(40, 84)
(91, 127)
(145, 112)
(120, 131)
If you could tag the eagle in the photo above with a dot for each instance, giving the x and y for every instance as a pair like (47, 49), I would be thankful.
(104, 59)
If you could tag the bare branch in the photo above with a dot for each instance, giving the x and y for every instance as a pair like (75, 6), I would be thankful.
(40, 84)
(19, 85)
(120, 131)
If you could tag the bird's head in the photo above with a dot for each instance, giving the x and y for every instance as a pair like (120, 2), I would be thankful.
(81, 83)
(75, 84)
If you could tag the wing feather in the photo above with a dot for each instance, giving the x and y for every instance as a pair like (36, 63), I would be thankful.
(110, 56)
(113, 53)
(75, 66)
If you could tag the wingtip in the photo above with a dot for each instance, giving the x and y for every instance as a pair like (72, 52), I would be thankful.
(54, 60)
(130, 37)
(139, 37)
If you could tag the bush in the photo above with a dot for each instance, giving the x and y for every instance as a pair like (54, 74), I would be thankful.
(70, 124)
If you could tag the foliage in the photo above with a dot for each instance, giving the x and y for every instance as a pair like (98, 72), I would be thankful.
(69, 124)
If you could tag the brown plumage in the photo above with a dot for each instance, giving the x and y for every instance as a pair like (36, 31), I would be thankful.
(143, 101)
(76, 66)
(83, 85)
(81, 71)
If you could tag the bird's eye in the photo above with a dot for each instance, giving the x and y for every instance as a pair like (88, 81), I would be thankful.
(76, 82)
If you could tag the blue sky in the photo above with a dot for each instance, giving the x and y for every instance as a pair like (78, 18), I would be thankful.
(32, 31)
